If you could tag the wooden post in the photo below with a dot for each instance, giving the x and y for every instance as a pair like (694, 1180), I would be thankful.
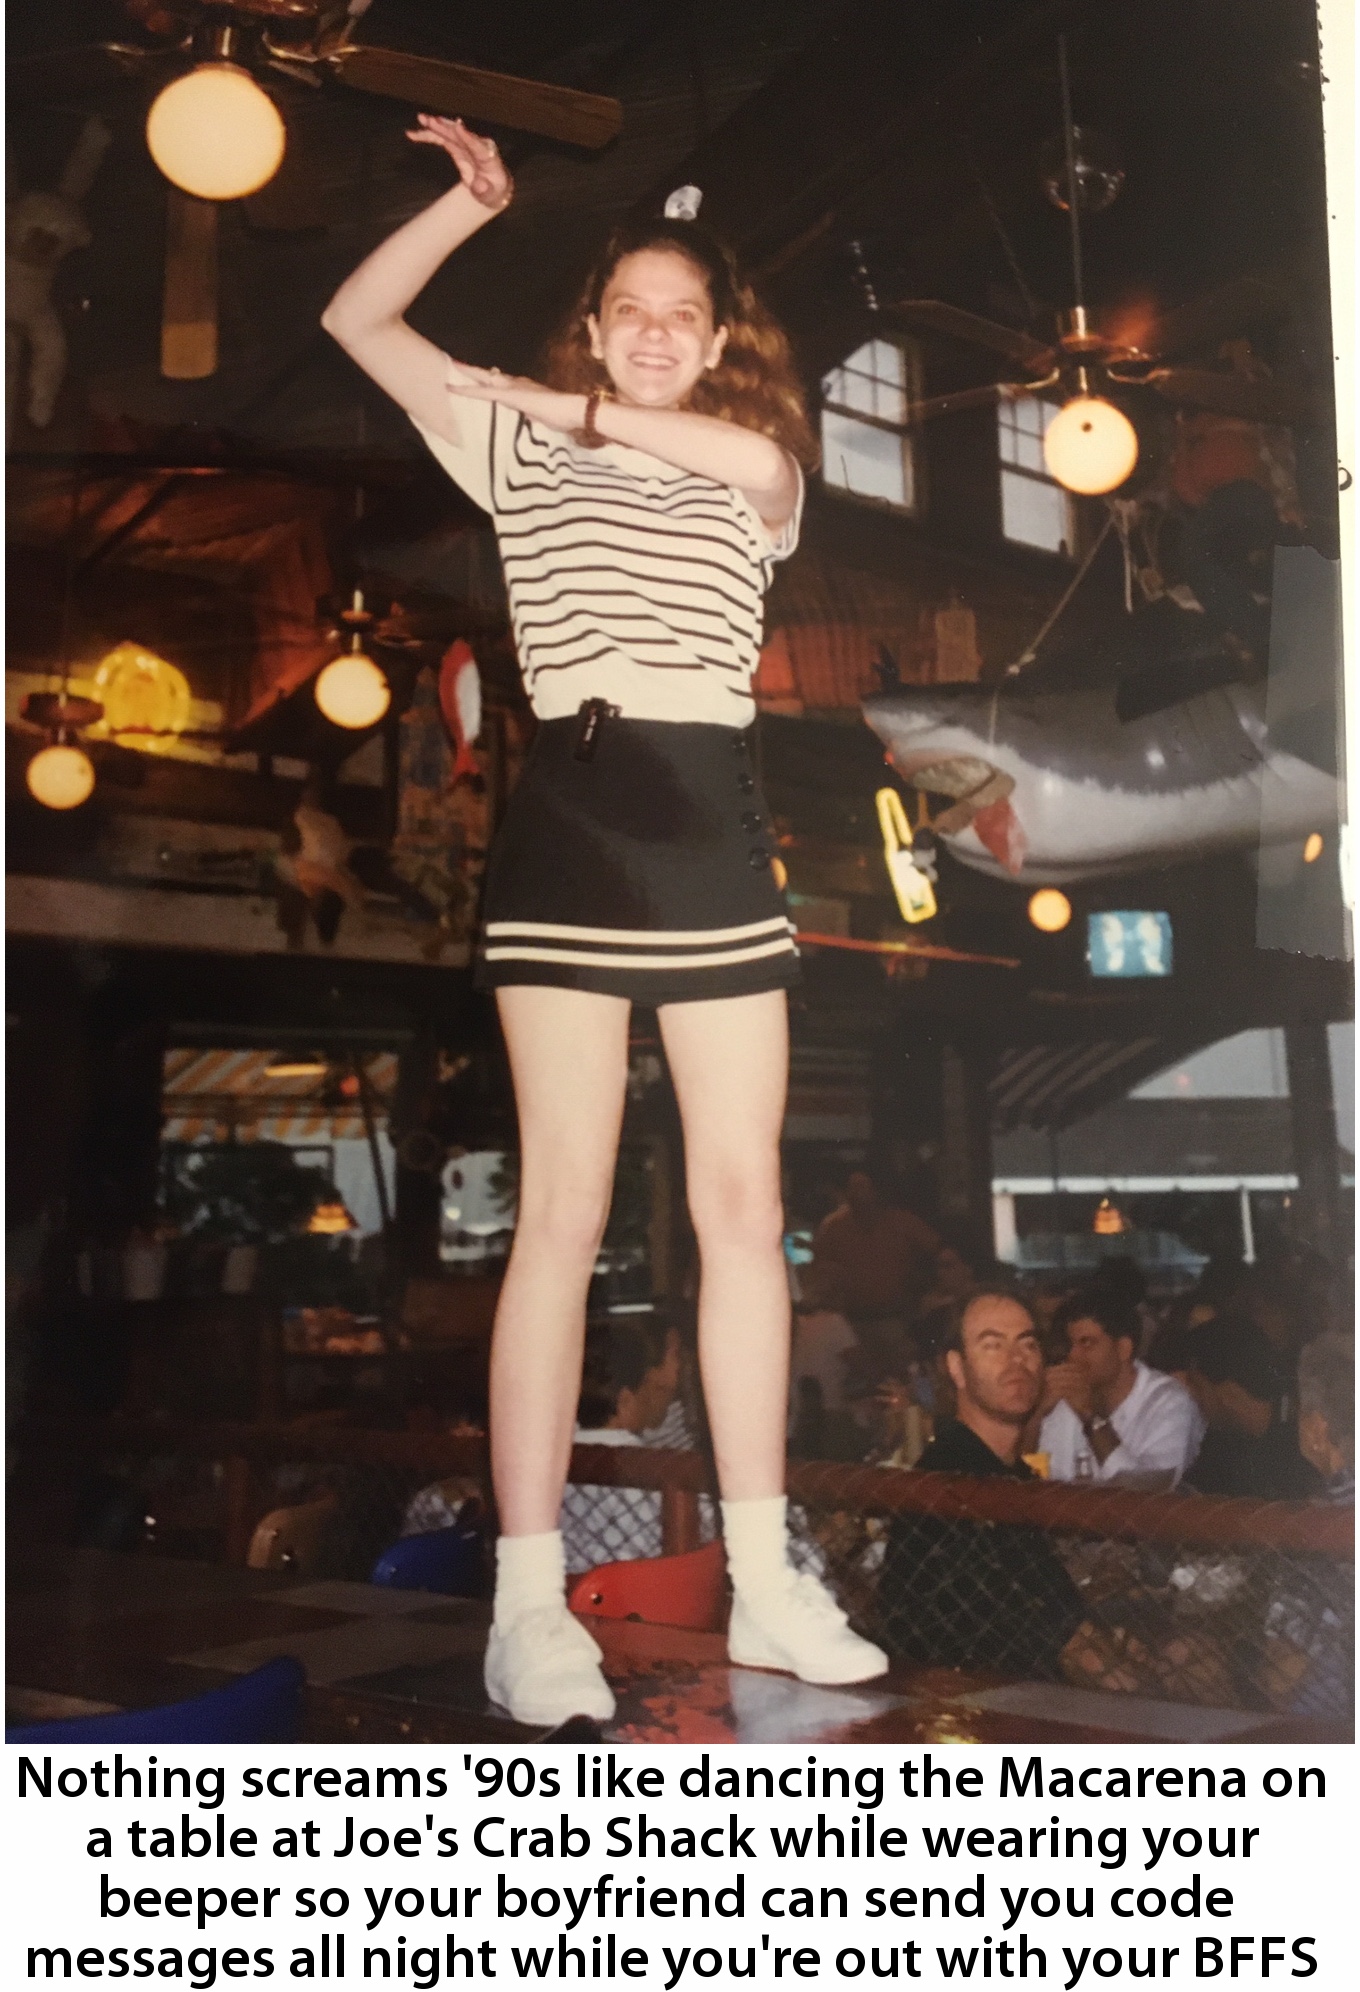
(679, 1521)
(1317, 1156)
(240, 1504)
(966, 1144)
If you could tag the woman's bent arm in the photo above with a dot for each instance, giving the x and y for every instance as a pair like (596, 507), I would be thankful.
(365, 315)
(756, 465)
(753, 464)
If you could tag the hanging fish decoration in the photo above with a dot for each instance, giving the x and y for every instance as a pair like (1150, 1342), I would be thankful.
(460, 702)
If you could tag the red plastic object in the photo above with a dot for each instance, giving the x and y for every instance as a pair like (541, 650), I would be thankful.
(688, 1591)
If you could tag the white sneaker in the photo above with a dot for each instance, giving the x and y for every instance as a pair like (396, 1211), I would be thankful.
(796, 1626)
(544, 1667)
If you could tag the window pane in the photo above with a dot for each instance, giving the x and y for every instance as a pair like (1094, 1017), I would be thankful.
(873, 380)
(873, 462)
(1020, 433)
(1033, 511)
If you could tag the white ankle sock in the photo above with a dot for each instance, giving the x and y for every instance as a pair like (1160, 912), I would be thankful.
(530, 1573)
(754, 1532)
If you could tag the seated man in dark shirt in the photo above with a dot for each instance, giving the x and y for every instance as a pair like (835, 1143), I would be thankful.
(962, 1593)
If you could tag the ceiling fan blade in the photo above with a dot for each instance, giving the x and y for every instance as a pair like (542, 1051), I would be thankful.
(70, 74)
(1229, 394)
(459, 91)
(189, 308)
(966, 397)
(926, 315)
(1208, 320)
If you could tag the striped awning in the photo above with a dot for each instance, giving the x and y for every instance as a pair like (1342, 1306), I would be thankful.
(213, 1095)
(1049, 1085)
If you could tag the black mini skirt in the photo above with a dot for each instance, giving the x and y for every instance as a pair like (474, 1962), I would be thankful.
(637, 859)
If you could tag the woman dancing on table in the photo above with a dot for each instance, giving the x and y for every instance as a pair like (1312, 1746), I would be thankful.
(640, 500)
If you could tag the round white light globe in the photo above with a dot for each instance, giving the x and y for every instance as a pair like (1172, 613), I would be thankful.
(352, 691)
(60, 777)
(215, 134)
(1050, 910)
(1089, 446)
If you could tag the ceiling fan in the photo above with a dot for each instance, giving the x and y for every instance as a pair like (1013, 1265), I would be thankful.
(1090, 445)
(217, 135)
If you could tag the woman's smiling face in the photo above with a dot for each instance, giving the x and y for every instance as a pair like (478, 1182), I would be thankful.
(655, 334)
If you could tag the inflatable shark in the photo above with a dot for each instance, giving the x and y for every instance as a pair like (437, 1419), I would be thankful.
(1050, 788)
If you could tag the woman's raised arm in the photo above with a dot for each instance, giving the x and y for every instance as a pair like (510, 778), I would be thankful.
(366, 314)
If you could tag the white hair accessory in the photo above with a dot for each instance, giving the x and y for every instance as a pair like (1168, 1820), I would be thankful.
(683, 204)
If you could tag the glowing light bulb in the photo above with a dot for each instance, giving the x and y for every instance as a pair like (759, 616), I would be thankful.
(1050, 910)
(352, 691)
(1089, 446)
(1312, 849)
(215, 134)
(60, 777)
(330, 1220)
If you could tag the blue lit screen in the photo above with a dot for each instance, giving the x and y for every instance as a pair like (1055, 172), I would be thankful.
(1128, 943)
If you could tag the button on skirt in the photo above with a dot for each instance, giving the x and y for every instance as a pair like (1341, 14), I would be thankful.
(644, 871)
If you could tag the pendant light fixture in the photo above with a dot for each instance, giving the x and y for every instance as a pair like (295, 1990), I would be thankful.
(1049, 910)
(61, 774)
(214, 132)
(1090, 446)
(353, 692)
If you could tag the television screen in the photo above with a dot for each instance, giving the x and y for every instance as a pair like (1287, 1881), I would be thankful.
(1128, 943)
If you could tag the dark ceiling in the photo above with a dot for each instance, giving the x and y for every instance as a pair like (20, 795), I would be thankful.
(914, 127)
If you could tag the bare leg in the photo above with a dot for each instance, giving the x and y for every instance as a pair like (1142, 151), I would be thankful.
(729, 1060)
(569, 1059)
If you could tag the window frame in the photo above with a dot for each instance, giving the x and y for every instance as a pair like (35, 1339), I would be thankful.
(906, 432)
(1071, 550)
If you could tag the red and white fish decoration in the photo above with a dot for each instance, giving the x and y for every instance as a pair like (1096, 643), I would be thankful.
(460, 703)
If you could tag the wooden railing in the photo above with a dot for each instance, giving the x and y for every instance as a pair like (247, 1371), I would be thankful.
(1209, 1522)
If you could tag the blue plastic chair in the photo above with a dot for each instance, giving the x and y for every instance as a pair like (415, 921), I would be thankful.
(445, 1560)
(263, 1707)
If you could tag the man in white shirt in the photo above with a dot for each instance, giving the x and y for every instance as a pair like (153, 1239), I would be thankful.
(1106, 1415)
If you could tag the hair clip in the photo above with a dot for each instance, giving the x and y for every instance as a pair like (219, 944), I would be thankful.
(683, 204)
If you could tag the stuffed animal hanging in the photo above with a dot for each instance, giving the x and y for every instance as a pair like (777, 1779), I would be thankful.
(41, 231)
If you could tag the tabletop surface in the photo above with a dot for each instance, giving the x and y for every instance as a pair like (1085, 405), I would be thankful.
(89, 1628)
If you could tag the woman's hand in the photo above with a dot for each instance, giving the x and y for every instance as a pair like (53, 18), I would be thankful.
(480, 166)
(541, 404)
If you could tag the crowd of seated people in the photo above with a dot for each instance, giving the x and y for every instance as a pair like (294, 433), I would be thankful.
(1243, 1387)
(1200, 1393)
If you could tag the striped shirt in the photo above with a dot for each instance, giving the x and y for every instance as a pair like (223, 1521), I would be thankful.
(629, 580)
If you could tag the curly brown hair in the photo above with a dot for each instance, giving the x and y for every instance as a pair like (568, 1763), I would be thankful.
(754, 383)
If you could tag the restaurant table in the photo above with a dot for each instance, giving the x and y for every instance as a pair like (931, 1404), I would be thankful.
(91, 1629)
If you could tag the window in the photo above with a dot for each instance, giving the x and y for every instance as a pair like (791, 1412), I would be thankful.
(866, 446)
(1035, 510)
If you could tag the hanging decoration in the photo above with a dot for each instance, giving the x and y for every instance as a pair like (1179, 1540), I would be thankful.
(460, 702)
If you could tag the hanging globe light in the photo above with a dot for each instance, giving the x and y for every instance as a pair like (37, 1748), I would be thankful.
(1050, 910)
(1089, 446)
(353, 692)
(60, 776)
(215, 134)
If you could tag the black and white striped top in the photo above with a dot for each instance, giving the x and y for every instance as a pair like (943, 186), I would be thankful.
(629, 580)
